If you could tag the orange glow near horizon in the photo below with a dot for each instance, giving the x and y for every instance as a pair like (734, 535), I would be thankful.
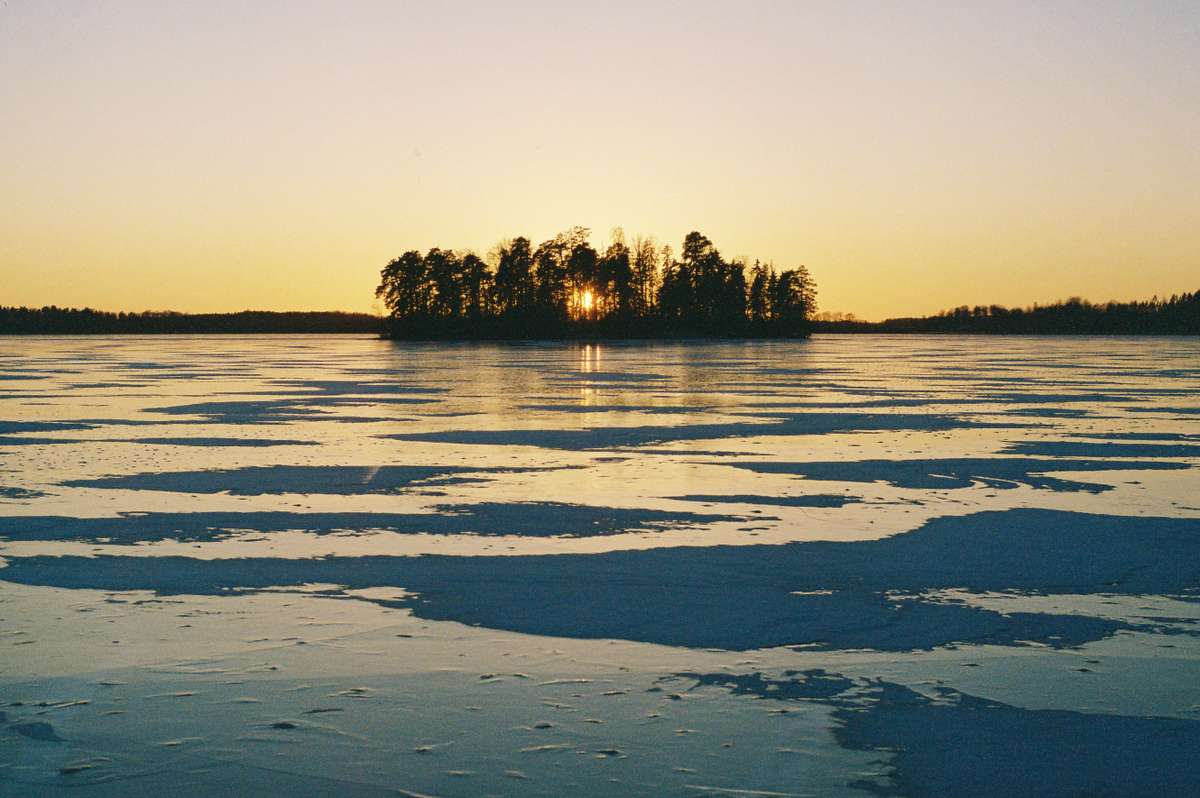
(581, 303)
(275, 157)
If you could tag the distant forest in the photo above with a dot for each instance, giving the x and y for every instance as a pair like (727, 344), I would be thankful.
(68, 321)
(1178, 315)
(565, 288)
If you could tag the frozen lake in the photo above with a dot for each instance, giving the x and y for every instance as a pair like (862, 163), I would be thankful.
(854, 565)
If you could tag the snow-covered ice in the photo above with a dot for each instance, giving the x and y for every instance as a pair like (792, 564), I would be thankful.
(855, 565)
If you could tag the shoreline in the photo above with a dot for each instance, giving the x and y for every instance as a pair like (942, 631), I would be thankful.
(587, 339)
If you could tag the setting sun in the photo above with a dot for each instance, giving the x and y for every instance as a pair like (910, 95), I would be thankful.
(481, 380)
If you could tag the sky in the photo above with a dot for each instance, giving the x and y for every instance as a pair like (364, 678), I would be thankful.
(218, 156)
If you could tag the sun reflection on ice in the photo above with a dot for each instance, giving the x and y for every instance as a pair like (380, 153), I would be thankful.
(589, 363)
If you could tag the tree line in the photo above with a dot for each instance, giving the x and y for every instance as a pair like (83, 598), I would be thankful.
(52, 320)
(566, 288)
(1175, 315)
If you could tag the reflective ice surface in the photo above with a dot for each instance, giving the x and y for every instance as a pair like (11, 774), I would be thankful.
(845, 566)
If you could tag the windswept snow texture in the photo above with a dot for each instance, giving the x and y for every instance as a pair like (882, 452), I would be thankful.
(259, 480)
(808, 423)
(530, 519)
(963, 472)
(810, 500)
(856, 565)
(999, 750)
(879, 594)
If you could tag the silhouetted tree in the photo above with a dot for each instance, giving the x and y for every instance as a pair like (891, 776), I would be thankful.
(645, 276)
(477, 285)
(674, 292)
(566, 287)
(757, 304)
(553, 279)
(615, 279)
(86, 321)
(403, 288)
(514, 284)
(408, 293)
(583, 272)
(791, 302)
(443, 270)
(1178, 315)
